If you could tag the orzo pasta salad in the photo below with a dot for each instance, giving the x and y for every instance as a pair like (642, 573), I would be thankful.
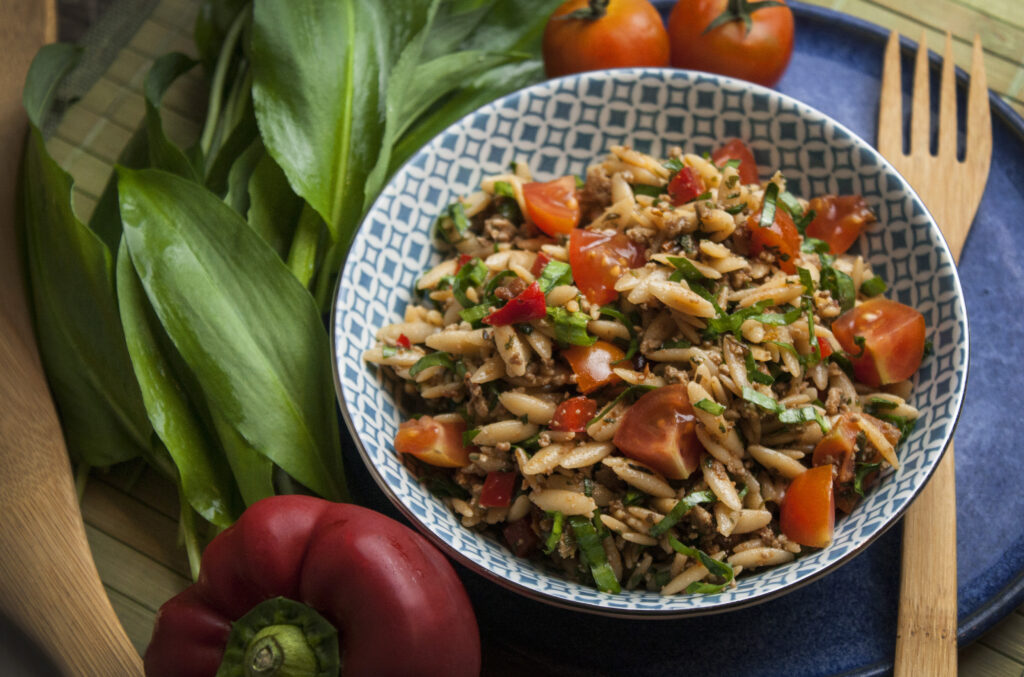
(658, 377)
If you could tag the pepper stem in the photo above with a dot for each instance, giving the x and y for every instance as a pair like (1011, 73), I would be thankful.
(281, 638)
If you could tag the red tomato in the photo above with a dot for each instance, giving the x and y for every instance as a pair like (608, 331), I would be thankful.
(498, 489)
(573, 414)
(403, 341)
(462, 260)
(593, 364)
(893, 334)
(839, 220)
(825, 347)
(660, 430)
(839, 448)
(552, 205)
(434, 442)
(520, 537)
(808, 511)
(781, 238)
(598, 259)
(685, 186)
(760, 54)
(602, 34)
(524, 307)
(734, 149)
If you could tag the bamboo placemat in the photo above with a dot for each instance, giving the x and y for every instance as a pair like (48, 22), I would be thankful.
(131, 514)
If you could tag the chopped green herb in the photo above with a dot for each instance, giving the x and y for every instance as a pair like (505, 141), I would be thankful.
(878, 403)
(710, 406)
(777, 319)
(389, 351)
(815, 356)
(468, 435)
(475, 314)
(504, 189)
(672, 345)
(762, 400)
(472, 274)
(592, 554)
(929, 348)
(685, 270)
(734, 163)
(806, 280)
(874, 286)
(754, 374)
(650, 191)
(791, 204)
(633, 497)
(805, 414)
(840, 358)
(863, 470)
(680, 509)
(571, 327)
(804, 221)
(706, 195)
(618, 398)
(840, 286)
(724, 323)
(630, 324)
(580, 183)
(454, 217)
(557, 518)
(673, 164)
(861, 343)
(812, 245)
(736, 209)
(687, 244)
(588, 486)
(555, 273)
(771, 193)
(717, 568)
(438, 359)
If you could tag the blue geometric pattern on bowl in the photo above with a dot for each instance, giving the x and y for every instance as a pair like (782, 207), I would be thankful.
(560, 127)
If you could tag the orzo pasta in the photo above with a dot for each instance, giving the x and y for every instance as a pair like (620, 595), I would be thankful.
(632, 376)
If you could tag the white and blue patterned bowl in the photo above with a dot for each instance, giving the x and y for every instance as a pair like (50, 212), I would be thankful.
(560, 127)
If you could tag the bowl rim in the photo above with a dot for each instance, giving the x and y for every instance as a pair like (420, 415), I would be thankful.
(337, 337)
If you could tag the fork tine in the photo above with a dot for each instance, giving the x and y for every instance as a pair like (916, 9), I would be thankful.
(947, 104)
(979, 120)
(920, 112)
(890, 104)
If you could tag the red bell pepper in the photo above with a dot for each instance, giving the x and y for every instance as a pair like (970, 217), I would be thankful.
(528, 305)
(498, 489)
(403, 342)
(539, 263)
(297, 578)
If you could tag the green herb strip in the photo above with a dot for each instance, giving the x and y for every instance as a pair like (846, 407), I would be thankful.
(685, 270)
(754, 374)
(504, 189)
(650, 191)
(472, 274)
(641, 388)
(437, 359)
(710, 406)
(571, 327)
(680, 509)
(791, 204)
(771, 193)
(715, 567)
(630, 324)
(762, 400)
(555, 273)
(840, 286)
(874, 286)
(468, 435)
(805, 414)
(557, 518)
(592, 554)
(863, 470)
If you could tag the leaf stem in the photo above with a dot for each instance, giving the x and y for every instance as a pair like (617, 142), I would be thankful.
(217, 86)
(187, 525)
(302, 254)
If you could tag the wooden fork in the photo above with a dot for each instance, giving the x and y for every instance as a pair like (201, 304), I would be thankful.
(951, 189)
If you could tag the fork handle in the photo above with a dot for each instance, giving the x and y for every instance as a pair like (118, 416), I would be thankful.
(926, 626)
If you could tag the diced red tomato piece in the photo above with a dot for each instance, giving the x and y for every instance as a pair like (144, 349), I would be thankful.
(781, 238)
(685, 186)
(593, 364)
(520, 537)
(462, 260)
(808, 511)
(498, 489)
(598, 259)
(552, 206)
(660, 430)
(403, 341)
(573, 414)
(839, 220)
(839, 449)
(526, 306)
(539, 263)
(435, 442)
(825, 347)
(894, 336)
(734, 149)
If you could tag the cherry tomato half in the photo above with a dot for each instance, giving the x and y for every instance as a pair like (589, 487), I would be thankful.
(552, 205)
(660, 429)
(808, 511)
(498, 489)
(685, 186)
(893, 336)
(573, 414)
(598, 259)
(603, 34)
(435, 442)
(759, 54)
(593, 364)
(734, 149)
(839, 448)
(781, 238)
(839, 220)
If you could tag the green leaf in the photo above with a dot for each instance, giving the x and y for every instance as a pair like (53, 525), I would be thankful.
(203, 471)
(78, 326)
(762, 400)
(571, 327)
(710, 406)
(246, 328)
(840, 285)
(470, 275)
(555, 273)
(680, 509)
(439, 358)
(873, 287)
(715, 567)
(771, 192)
(754, 374)
(163, 154)
(557, 519)
(213, 21)
(273, 207)
(592, 554)
(49, 67)
(805, 414)
(242, 169)
(685, 270)
(106, 217)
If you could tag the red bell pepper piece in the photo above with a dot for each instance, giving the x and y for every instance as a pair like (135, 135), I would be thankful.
(498, 489)
(539, 263)
(395, 601)
(685, 186)
(403, 341)
(463, 260)
(825, 346)
(529, 305)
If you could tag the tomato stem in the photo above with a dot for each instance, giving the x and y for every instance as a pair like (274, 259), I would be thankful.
(595, 9)
(740, 10)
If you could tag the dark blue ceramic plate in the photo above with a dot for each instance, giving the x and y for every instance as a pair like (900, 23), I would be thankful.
(844, 623)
